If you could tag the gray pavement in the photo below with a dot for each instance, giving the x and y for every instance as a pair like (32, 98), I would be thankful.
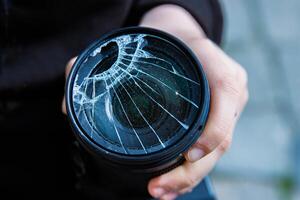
(264, 160)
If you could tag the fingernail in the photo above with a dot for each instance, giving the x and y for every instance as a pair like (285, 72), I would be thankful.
(195, 154)
(169, 196)
(158, 192)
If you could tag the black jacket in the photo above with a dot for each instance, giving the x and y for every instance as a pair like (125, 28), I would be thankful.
(37, 38)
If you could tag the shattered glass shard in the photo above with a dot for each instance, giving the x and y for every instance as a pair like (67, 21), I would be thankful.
(136, 94)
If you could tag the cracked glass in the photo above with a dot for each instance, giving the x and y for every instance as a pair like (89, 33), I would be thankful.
(136, 93)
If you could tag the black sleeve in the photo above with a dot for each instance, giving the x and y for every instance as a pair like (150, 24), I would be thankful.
(206, 12)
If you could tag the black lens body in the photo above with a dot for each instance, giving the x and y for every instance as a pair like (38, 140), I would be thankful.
(137, 99)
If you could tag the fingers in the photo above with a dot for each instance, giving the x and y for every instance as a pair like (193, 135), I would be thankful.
(67, 71)
(63, 106)
(69, 66)
(220, 122)
(183, 178)
(228, 96)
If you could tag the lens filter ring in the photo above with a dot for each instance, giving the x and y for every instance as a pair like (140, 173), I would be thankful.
(137, 97)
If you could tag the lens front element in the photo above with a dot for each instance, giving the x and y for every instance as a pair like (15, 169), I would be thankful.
(136, 93)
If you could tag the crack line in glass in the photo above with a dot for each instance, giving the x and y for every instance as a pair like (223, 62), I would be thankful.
(118, 134)
(136, 134)
(162, 144)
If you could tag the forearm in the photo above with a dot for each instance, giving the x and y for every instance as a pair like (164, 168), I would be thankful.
(174, 20)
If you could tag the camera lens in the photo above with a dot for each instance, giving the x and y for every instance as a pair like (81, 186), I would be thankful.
(137, 98)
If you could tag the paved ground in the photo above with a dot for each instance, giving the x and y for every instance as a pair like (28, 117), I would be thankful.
(264, 36)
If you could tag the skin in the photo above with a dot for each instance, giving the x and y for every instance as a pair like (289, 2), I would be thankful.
(229, 94)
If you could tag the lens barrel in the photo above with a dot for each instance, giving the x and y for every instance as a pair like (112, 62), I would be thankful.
(137, 98)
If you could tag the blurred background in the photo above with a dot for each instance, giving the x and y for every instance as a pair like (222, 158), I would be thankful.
(264, 160)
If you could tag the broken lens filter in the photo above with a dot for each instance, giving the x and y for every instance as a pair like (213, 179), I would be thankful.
(138, 98)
